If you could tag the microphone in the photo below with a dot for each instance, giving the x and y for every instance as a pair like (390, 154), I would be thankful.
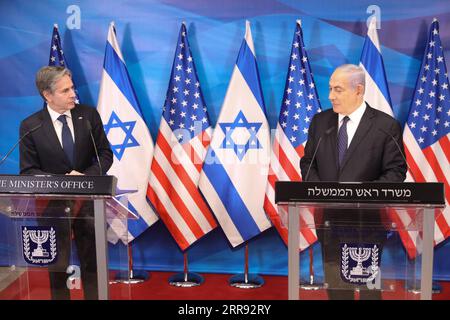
(400, 150)
(89, 126)
(327, 132)
(21, 138)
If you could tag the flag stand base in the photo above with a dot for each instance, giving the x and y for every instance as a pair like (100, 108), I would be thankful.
(131, 278)
(246, 280)
(186, 279)
(414, 288)
(311, 286)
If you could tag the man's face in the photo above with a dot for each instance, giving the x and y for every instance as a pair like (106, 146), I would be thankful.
(63, 97)
(343, 97)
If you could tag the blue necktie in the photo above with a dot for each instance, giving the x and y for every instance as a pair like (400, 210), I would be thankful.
(67, 140)
(342, 140)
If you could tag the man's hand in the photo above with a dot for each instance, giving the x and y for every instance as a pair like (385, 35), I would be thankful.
(74, 173)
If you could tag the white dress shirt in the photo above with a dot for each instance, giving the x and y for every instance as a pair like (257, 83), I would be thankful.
(353, 123)
(58, 124)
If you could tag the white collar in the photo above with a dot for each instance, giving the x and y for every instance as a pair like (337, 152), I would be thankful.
(356, 115)
(55, 115)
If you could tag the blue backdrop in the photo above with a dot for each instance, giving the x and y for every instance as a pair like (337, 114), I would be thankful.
(334, 33)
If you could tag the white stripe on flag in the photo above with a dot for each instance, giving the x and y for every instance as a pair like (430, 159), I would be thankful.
(170, 208)
(181, 190)
(418, 156)
(225, 222)
(442, 160)
(199, 149)
(178, 154)
(291, 154)
(277, 169)
(373, 95)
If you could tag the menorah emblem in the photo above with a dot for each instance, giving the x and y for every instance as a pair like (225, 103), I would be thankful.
(359, 262)
(39, 245)
(359, 255)
(39, 237)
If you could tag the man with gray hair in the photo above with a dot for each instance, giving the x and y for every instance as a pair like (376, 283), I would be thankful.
(57, 140)
(352, 142)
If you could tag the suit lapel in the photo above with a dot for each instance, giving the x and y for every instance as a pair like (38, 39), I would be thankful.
(364, 126)
(77, 121)
(52, 138)
(333, 122)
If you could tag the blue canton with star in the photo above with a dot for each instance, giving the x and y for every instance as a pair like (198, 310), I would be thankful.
(56, 57)
(127, 127)
(240, 122)
(185, 109)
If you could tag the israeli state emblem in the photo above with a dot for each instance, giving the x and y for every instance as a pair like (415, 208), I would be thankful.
(39, 245)
(359, 262)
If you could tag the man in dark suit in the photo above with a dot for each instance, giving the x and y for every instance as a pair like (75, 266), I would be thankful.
(60, 143)
(353, 143)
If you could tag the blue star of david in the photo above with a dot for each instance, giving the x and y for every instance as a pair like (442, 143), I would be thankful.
(128, 142)
(240, 122)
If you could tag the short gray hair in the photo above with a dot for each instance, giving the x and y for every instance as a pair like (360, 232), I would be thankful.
(47, 77)
(356, 74)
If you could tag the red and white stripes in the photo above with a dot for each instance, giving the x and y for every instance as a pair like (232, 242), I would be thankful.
(284, 166)
(431, 164)
(173, 189)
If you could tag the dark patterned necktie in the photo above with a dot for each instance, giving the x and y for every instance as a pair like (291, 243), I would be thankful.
(342, 140)
(67, 140)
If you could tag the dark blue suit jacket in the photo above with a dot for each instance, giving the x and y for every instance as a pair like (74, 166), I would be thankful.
(371, 156)
(41, 152)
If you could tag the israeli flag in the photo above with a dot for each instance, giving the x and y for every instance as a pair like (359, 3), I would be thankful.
(377, 90)
(234, 176)
(130, 140)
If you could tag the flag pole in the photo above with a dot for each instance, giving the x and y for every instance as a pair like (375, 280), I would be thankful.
(131, 276)
(311, 285)
(186, 279)
(246, 280)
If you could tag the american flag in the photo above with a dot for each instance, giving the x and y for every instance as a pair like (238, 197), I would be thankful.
(426, 138)
(300, 104)
(56, 57)
(183, 138)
